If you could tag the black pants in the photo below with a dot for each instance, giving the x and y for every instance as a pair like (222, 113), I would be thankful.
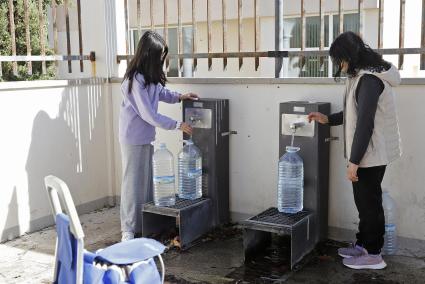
(368, 199)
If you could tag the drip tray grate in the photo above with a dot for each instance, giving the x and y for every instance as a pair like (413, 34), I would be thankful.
(181, 204)
(273, 217)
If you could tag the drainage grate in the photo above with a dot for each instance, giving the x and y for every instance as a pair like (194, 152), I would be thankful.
(273, 216)
(180, 203)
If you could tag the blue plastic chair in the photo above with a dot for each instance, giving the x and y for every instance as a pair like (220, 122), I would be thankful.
(73, 264)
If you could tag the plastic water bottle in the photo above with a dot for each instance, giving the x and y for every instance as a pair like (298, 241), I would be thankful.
(390, 211)
(290, 191)
(190, 171)
(163, 177)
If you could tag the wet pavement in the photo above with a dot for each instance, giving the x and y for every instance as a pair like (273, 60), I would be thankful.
(216, 258)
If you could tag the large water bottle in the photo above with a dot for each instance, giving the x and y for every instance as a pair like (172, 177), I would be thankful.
(163, 177)
(291, 182)
(190, 171)
(390, 211)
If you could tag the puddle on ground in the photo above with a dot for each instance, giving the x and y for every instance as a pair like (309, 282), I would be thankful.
(270, 266)
(371, 278)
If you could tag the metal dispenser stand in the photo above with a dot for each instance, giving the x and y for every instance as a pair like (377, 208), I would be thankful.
(193, 218)
(308, 227)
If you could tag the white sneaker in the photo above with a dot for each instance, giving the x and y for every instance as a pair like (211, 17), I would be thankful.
(126, 236)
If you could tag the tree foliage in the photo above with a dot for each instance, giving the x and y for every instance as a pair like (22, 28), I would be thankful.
(20, 35)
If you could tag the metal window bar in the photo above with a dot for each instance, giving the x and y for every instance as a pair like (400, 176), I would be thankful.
(68, 34)
(360, 12)
(209, 32)
(151, 14)
(256, 33)
(276, 54)
(423, 35)
(127, 29)
(305, 52)
(240, 39)
(278, 37)
(380, 23)
(139, 17)
(322, 34)
(179, 34)
(194, 35)
(80, 34)
(224, 24)
(322, 26)
(40, 58)
(12, 35)
(302, 59)
(27, 34)
(42, 34)
(167, 61)
(401, 32)
(55, 26)
(341, 16)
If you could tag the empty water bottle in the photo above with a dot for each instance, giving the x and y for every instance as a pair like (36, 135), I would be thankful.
(190, 171)
(291, 182)
(163, 177)
(390, 238)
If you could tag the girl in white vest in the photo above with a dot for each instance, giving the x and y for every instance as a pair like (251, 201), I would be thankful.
(371, 140)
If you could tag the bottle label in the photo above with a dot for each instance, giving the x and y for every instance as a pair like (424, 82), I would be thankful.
(163, 179)
(194, 173)
(390, 227)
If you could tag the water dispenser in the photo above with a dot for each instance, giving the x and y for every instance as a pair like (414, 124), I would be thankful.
(193, 218)
(309, 226)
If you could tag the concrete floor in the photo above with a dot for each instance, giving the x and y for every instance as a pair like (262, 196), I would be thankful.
(218, 258)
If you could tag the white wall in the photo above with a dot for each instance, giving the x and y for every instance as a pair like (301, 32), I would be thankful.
(51, 127)
(71, 131)
(254, 150)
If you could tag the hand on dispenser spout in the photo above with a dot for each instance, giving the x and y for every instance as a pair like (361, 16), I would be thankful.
(189, 96)
(186, 128)
(319, 117)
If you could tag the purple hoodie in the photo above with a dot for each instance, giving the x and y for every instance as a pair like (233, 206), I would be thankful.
(139, 111)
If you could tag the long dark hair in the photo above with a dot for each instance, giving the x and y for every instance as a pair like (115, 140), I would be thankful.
(350, 47)
(148, 60)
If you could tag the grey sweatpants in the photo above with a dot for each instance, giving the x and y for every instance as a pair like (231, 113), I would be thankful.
(137, 185)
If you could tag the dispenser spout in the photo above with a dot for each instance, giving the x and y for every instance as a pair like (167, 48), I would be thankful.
(296, 125)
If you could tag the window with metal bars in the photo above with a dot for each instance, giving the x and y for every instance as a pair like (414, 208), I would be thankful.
(313, 66)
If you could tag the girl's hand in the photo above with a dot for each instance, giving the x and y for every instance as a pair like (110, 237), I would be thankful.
(186, 128)
(189, 96)
(319, 117)
(352, 172)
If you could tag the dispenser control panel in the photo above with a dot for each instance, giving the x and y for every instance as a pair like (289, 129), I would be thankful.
(300, 121)
(198, 117)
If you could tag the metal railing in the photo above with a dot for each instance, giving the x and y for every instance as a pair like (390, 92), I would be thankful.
(29, 58)
(280, 52)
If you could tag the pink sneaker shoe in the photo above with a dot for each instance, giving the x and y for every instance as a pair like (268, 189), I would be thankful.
(366, 261)
(352, 251)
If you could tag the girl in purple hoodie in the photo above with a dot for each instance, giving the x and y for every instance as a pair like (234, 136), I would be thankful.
(143, 87)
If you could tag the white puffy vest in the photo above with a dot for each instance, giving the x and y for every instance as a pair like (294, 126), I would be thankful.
(385, 145)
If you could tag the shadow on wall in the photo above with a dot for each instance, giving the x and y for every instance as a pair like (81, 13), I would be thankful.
(60, 146)
(53, 150)
(12, 217)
